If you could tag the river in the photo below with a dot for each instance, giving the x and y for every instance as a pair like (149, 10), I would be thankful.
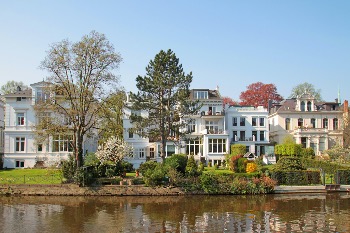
(259, 213)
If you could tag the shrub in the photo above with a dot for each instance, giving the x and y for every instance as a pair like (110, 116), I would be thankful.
(288, 164)
(344, 176)
(91, 160)
(178, 162)
(69, 168)
(233, 162)
(149, 165)
(296, 177)
(241, 165)
(308, 153)
(191, 167)
(251, 167)
(253, 186)
(238, 149)
(156, 176)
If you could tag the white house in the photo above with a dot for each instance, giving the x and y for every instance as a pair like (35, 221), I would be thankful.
(2, 127)
(248, 125)
(21, 149)
(313, 124)
(206, 137)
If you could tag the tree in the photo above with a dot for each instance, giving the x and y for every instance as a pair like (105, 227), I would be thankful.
(81, 77)
(229, 101)
(111, 116)
(164, 95)
(11, 87)
(306, 88)
(259, 94)
(114, 150)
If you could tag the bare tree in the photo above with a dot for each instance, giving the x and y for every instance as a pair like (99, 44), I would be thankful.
(81, 77)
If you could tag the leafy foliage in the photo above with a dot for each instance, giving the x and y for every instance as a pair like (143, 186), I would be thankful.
(177, 162)
(288, 164)
(11, 87)
(306, 88)
(339, 153)
(251, 167)
(238, 149)
(156, 176)
(259, 94)
(192, 167)
(296, 177)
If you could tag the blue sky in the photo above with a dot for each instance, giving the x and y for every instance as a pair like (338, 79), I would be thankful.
(226, 43)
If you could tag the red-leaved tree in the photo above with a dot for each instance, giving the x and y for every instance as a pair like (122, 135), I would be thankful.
(259, 94)
(229, 101)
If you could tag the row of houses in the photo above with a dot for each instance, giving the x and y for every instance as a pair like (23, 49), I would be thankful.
(209, 134)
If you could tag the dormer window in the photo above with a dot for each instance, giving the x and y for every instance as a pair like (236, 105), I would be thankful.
(309, 106)
(302, 106)
(200, 94)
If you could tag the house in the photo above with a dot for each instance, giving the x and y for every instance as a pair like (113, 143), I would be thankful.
(206, 138)
(2, 127)
(313, 124)
(248, 125)
(21, 148)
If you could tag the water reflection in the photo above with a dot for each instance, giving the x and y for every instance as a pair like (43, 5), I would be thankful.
(270, 213)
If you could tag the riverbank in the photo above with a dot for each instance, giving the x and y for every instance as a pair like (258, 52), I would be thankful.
(131, 190)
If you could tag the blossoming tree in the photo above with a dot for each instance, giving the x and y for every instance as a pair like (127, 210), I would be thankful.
(114, 150)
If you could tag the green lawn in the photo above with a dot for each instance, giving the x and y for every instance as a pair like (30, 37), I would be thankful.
(30, 176)
(218, 171)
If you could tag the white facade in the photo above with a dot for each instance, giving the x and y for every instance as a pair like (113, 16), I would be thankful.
(248, 125)
(206, 137)
(21, 149)
(2, 127)
(312, 124)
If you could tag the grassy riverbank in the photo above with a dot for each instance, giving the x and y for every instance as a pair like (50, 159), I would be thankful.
(31, 176)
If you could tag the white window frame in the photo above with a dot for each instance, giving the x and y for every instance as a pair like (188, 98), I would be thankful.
(255, 121)
(261, 121)
(200, 94)
(20, 163)
(194, 147)
(20, 144)
(64, 143)
(20, 119)
(217, 145)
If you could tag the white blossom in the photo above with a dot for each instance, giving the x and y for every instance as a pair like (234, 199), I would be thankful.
(113, 150)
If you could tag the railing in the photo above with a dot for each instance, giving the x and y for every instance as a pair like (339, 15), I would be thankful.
(33, 179)
(239, 139)
(209, 113)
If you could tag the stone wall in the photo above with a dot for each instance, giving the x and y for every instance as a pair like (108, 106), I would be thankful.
(75, 190)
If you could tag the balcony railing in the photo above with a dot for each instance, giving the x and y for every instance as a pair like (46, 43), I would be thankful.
(210, 113)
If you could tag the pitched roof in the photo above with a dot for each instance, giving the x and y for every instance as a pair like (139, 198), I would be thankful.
(21, 93)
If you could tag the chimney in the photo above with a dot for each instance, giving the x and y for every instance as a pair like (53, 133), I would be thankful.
(346, 106)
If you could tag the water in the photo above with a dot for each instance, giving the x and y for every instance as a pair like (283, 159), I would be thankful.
(261, 213)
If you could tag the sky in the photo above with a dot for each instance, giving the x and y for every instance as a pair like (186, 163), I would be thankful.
(229, 44)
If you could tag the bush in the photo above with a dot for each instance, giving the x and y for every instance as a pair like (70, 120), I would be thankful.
(233, 162)
(192, 168)
(308, 153)
(178, 162)
(344, 176)
(296, 177)
(213, 184)
(288, 164)
(261, 185)
(251, 167)
(69, 168)
(238, 149)
(156, 176)
(241, 165)
(91, 160)
(149, 165)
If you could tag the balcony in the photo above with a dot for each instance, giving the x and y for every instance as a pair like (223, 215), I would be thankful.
(209, 114)
(205, 130)
(243, 139)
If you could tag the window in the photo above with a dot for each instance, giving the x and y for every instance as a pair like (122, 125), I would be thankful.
(62, 143)
(242, 135)
(217, 145)
(20, 118)
(170, 150)
(302, 106)
(194, 147)
(255, 135)
(234, 121)
(287, 122)
(242, 121)
(151, 152)
(42, 97)
(20, 143)
(234, 133)
(254, 121)
(191, 127)
(325, 123)
(303, 142)
(313, 122)
(262, 135)
(335, 123)
(308, 106)
(131, 134)
(141, 153)
(21, 98)
(212, 111)
(200, 94)
(261, 121)
(40, 147)
(212, 127)
(321, 145)
(300, 122)
(19, 163)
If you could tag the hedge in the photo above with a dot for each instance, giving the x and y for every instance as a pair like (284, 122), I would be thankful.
(297, 177)
(343, 176)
